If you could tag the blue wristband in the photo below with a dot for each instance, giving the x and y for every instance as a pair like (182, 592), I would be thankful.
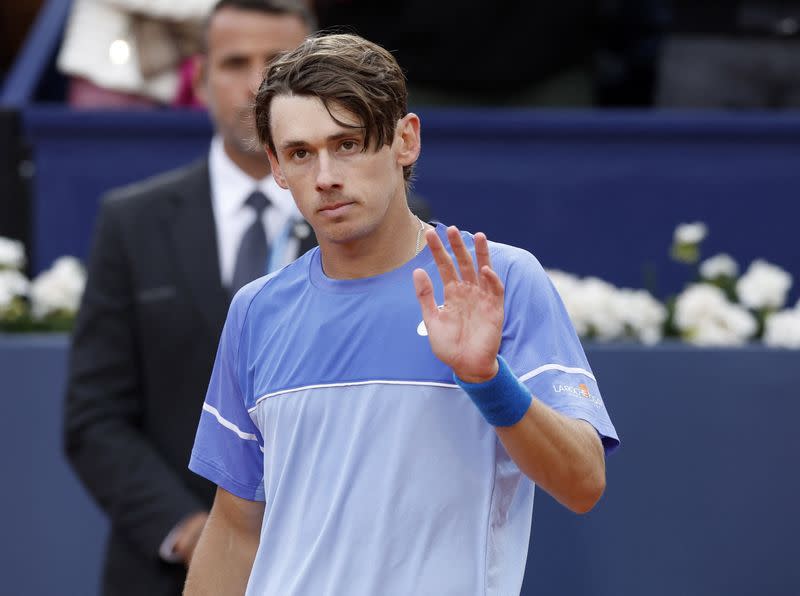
(503, 400)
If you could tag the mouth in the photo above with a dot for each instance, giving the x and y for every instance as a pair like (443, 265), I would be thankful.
(334, 209)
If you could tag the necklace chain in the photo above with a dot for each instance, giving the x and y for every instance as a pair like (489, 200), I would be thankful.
(417, 246)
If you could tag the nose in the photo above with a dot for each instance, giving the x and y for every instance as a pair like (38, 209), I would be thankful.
(328, 176)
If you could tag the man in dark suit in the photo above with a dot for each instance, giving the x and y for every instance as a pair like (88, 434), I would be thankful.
(167, 256)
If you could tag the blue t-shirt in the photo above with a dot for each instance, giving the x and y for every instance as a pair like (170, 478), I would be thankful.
(379, 474)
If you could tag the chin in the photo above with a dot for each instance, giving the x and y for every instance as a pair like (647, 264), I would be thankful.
(343, 232)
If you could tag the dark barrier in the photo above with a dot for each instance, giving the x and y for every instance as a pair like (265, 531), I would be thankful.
(52, 540)
(589, 192)
(14, 169)
(701, 497)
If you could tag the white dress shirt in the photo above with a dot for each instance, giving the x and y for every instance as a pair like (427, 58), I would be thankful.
(230, 188)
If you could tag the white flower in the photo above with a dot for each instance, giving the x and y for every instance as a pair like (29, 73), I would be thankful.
(720, 265)
(59, 288)
(696, 303)
(732, 326)
(643, 314)
(597, 307)
(12, 254)
(763, 286)
(12, 284)
(782, 329)
(594, 306)
(690, 233)
(706, 317)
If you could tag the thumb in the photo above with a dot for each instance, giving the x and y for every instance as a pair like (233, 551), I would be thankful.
(424, 289)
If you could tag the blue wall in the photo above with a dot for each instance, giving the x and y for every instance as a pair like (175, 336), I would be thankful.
(701, 498)
(588, 192)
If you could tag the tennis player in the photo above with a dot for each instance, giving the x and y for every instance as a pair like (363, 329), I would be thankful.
(381, 410)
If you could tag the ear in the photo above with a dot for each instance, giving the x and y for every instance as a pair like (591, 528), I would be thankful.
(277, 173)
(407, 139)
(199, 73)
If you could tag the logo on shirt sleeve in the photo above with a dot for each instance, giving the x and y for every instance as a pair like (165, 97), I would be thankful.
(581, 391)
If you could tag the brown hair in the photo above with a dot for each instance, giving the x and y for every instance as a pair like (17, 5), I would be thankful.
(347, 71)
(296, 8)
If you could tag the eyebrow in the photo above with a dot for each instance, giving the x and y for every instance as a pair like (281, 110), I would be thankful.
(335, 137)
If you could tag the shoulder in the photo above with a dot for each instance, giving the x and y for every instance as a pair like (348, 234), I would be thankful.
(147, 193)
(508, 256)
(521, 272)
(516, 267)
(272, 292)
(511, 262)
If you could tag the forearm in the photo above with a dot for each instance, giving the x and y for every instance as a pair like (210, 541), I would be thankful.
(562, 455)
(222, 562)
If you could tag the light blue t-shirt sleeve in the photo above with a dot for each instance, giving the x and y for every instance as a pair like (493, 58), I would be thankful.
(542, 348)
(228, 448)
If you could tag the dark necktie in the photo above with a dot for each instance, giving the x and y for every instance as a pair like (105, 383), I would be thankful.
(251, 260)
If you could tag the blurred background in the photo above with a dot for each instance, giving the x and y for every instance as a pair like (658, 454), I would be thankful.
(585, 131)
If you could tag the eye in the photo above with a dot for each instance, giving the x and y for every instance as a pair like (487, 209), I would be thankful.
(348, 145)
(234, 62)
(299, 154)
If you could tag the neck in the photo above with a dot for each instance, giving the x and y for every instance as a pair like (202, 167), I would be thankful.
(255, 165)
(393, 243)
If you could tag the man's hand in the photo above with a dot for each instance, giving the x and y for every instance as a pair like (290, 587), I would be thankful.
(465, 332)
(188, 535)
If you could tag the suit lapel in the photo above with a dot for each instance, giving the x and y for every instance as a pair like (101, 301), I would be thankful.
(194, 237)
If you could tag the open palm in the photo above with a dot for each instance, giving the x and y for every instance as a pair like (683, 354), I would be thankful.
(465, 332)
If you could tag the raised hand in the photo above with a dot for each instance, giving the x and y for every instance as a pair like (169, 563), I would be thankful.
(465, 333)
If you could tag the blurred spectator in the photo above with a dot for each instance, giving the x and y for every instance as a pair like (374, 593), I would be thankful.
(732, 54)
(166, 258)
(126, 53)
(481, 53)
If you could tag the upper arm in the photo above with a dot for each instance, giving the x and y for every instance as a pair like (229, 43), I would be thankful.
(542, 348)
(224, 557)
(591, 438)
(228, 448)
(241, 515)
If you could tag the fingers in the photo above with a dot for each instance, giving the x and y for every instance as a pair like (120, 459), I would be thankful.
(482, 251)
(491, 282)
(444, 263)
(465, 264)
(424, 289)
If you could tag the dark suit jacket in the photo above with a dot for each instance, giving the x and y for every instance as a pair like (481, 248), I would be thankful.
(141, 357)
